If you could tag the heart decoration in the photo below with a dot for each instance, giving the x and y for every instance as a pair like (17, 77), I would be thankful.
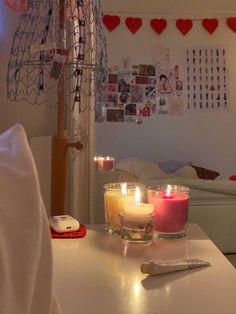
(133, 23)
(210, 25)
(111, 21)
(184, 26)
(231, 22)
(17, 5)
(158, 25)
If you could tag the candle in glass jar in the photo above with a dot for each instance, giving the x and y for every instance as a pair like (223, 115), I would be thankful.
(108, 163)
(171, 210)
(115, 201)
(137, 209)
(116, 196)
(98, 161)
(104, 163)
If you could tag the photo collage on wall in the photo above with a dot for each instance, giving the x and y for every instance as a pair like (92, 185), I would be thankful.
(141, 91)
(207, 82)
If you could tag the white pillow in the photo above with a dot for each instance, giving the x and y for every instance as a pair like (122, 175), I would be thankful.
(142, 169)
(25, 244)
(185, 172)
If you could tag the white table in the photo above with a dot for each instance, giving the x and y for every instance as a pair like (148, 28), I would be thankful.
(96, 275)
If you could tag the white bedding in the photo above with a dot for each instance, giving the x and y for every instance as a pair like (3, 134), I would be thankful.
(150, 173)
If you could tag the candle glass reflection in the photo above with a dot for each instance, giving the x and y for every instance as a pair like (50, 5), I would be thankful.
(137, 223)
(116, 195)
(170, 210)
(104, 163)
(136, 229)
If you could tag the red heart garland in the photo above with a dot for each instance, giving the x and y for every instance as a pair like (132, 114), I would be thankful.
(133, 23)
(231, 22)
(184, 26)
(111, 21)
(210, 25)
(158, 25)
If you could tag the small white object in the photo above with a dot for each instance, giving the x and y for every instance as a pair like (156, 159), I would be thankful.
(64, 223)
(162, 267)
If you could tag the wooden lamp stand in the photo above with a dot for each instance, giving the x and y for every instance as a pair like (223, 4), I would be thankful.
(60, 142)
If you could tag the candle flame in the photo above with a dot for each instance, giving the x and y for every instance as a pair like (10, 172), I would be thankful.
(168, 190)
(124, 189)
(137, 196)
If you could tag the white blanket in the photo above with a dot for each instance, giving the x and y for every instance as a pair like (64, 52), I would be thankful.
(25, 244)
(216, 186)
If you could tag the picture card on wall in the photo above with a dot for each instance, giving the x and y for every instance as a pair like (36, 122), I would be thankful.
(115, 115)
(176, 106)
(163, 105)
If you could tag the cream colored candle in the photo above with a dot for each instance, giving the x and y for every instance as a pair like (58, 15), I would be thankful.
(114, 204)
(137, 209)
(116, 196)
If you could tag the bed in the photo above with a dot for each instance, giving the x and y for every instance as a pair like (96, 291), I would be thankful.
(212, 203)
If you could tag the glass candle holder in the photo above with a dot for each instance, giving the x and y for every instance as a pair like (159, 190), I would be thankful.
(98, 163)
(116, 195)
(136, 229)
(104, 163)
(170, 210)
(108, 163)
(137, 223)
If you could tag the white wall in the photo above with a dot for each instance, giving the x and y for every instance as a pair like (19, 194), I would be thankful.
(37, 120)
(206, 139)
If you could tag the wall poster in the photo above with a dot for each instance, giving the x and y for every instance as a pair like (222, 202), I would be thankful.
(141, 90)
(207, 81)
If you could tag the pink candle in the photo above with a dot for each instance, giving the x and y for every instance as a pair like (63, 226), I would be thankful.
(104, 163)
(171, 211)
(108, 164)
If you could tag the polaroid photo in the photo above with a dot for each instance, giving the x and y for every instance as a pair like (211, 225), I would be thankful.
(142, 69)
(152, 80)
(150, 92)
(141, 80)
(176, 106)
(124, 80)
(165, 82)
(178, 85)
(130, 110)
(112, 88)
(136, 93)
(124, 97)
(115, 115)
(112, 78)
(110, 97)
(163, 105)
